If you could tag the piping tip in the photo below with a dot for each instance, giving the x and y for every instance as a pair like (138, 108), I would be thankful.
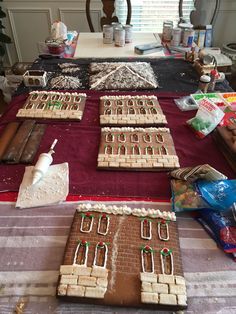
(36, 178)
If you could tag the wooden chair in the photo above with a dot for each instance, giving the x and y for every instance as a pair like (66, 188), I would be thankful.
(108, 9)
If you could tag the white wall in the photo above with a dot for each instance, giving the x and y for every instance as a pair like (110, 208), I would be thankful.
(28, 22)
(225, 23)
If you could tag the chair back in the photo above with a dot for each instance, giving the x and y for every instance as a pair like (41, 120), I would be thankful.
(108, 9)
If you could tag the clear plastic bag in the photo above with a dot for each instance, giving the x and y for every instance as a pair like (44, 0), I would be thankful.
(185, 196)
(187, 103)
(207, 118)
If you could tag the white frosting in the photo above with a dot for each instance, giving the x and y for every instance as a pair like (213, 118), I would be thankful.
(129, 129)
(85, 255)
(148, 237)
(163, 262)
(90, 225)
(107, 225)
(162, 226)
(58, 93)
(128, 97)
(105, 256)
(143, 263)
(125, 210)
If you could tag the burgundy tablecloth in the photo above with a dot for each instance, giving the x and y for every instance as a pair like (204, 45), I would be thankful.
(78, 145)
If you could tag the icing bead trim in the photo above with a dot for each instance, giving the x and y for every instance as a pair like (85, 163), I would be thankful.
(125, 210)
(129, 129)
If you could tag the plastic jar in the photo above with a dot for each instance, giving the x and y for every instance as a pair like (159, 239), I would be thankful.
(204, 82)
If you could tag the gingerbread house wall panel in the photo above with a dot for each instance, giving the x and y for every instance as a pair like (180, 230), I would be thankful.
(124, 256)
(53, 105)
(137, 149)
(131, 110)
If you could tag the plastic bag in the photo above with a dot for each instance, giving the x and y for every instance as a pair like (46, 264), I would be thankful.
(187, 103)
(58, 31)
(220, 195)
(207, 118)
(185, 196)
(221, 226)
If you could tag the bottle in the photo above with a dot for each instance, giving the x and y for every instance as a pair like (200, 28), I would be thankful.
(43, 163)
(214, 75)
(204, 82)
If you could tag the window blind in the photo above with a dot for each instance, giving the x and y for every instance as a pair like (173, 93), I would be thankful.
(148, 15)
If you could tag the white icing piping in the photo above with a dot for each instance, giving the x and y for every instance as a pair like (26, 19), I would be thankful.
(99, 225)
(90, 226)
(86, 255)
(152, 262)
(119, 149)
(112, 138)
(129, 97)
(133, 138)
(161, 140)
(129, 129)
(147, 150)
(58, 93)
(147, 138)
(163, 261)
(105, 255)
(164, 150)
(125, 210)
(159, 226)
(142, 230)
(140, 77)
(94, 85)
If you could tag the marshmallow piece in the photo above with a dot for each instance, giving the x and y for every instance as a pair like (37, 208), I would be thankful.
(168, 299)
(87, 281)
(148, 297)
(68, 279)
(148, 277)
(62, 289)
(82, 270)
(66, 269)
(75, 291)
(97, 292)
(99, 272)
(159, 288)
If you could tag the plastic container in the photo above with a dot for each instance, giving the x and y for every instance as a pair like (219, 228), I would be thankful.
(204, 83)
(56, 49)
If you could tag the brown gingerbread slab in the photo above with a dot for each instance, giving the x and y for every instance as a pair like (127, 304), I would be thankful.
(149, 149)
(225, 137)
(131, 110)
(120, 256)
(53, 105)
(122, 76)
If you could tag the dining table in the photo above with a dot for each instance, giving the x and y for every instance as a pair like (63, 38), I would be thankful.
(33, 240)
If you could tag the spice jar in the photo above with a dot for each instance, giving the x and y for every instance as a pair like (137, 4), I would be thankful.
(204, 83)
